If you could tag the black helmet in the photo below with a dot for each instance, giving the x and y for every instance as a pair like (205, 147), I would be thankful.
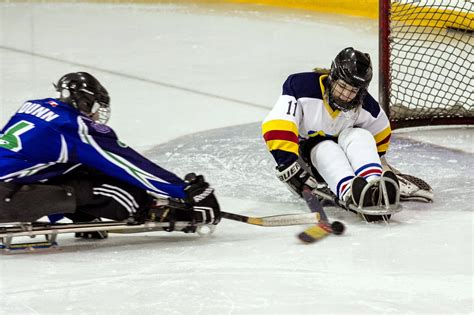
(81, 90)
(354, 68)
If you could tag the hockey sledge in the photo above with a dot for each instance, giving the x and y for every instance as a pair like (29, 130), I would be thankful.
(14, 230)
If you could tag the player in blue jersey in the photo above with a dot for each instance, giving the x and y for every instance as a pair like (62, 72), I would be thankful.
(57, 155)
(329, 120)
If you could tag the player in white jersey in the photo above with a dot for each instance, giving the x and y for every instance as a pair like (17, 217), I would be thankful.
(329, 119)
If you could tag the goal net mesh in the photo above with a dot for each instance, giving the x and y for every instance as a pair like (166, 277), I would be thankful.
(431, 61)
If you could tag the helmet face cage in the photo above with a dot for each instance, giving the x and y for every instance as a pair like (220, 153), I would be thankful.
(354, 68)
(335, 96)
(84, 92)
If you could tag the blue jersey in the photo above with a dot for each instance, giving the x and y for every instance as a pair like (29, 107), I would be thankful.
(47, 138)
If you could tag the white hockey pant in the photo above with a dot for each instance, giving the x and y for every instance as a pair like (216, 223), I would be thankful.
(355, 154)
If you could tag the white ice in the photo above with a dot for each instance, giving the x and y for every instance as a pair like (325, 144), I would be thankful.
(189, 84)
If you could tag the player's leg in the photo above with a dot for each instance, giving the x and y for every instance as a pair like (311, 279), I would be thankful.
(101, 196)
(361, 151)
(330, 161)
(98, 195)
(28, 203)
(360, 148)
(107, 197)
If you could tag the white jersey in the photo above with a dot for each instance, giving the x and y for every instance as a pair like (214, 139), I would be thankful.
(302, 113)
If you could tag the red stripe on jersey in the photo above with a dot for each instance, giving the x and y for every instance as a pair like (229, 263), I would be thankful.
(280, 135)
(385, 140)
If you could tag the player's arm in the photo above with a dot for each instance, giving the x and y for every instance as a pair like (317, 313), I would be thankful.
(280, 126)
(98, 147)
(374, 119)
(280, 132)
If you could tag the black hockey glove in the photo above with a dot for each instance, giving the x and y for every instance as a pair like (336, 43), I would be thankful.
(295, 177)
(200, 196)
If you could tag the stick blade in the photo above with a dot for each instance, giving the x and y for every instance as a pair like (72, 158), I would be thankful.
(314, 233)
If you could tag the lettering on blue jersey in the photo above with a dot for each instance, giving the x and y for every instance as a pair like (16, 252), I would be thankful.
(38, 111)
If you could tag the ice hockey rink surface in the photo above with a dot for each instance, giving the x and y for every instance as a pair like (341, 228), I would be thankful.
(189, 85)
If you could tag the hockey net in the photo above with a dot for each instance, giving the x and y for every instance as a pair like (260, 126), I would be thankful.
(426, 61)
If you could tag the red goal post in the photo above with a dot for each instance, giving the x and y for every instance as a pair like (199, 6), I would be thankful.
(426, 72)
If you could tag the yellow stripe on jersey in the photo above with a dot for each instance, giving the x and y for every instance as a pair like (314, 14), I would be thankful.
(283, 145)
(279, 124)
(383, 147)
(332, 113)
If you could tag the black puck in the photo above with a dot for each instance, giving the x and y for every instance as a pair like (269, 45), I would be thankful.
(337, 228)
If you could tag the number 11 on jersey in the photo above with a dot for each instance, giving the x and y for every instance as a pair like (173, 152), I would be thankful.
(290, 105)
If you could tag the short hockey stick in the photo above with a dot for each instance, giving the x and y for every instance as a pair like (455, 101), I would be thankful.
(274, 220)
